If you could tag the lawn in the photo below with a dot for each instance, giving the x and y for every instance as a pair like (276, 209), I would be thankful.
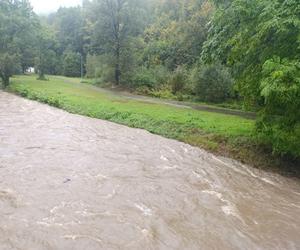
(226, 134)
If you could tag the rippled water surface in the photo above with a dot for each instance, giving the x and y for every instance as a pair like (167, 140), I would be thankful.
(71, 182)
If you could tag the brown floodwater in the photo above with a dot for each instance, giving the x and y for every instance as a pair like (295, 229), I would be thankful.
(72, 182)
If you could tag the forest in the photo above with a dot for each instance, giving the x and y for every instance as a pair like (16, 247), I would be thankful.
(234, 53)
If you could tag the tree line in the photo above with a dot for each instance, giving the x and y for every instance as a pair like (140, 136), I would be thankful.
(210, 50)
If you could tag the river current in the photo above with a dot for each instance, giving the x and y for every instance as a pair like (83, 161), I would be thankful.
(72, 182)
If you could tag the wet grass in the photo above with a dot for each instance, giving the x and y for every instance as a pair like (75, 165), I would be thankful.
(225, 134)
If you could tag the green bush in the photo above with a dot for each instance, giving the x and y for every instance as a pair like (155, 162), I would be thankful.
(164, 92)
(143, 77)
(162, 74)
(212, 83)
(177, 80)
(142, 90)
(279, 122)
(71, 64)
(284, 142)
(99, 68)
(152, 77)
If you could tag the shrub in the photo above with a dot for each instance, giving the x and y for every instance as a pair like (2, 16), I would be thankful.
(279, 122)
(177, 80)
(212, 83)
(143, 77)
(99, 68)
(142, 90)
(151, 77)
(162, 74)
(164, 92)
(71, 64)
(284, 142)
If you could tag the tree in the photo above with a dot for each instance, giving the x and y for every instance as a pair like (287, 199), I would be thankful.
(71, 64)
(245, 34)
(9, 65)
(260, 41)
(279, 122)
(68, 24)
(176, 36)
(17, 23)
(45, 52)
(114, 23)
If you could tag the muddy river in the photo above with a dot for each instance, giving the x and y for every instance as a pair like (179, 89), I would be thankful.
(71, 182)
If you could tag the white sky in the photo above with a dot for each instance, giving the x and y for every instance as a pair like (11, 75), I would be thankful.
(48, 6)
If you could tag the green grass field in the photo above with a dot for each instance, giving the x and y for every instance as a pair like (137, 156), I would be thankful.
(226, 134)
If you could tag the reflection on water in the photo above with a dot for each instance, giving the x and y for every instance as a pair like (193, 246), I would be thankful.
(71, 182)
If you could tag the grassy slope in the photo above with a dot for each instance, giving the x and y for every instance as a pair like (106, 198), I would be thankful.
(224, 134)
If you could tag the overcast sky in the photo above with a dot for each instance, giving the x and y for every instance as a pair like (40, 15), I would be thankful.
(48, 6)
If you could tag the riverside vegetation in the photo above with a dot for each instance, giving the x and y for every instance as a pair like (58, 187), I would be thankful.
(237, 53)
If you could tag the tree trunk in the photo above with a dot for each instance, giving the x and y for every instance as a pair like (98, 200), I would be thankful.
(118, 41)
(117, 67)
(41, 75)
(5, 81)
(41, 66)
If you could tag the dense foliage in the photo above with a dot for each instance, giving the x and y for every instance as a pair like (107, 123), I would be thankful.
(260, 41)
(207, 50)
(213, 83)
(17, 26)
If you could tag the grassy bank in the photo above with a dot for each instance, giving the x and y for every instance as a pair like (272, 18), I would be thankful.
(227, 135)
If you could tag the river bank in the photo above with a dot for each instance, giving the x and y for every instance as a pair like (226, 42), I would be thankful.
(224, 134)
